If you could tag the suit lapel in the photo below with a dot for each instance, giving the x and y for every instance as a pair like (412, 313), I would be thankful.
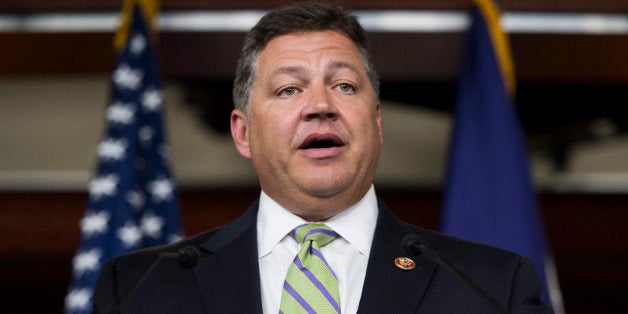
(228, 277)
(387, 288)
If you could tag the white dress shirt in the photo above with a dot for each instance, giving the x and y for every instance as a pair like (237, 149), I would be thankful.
(348, 255)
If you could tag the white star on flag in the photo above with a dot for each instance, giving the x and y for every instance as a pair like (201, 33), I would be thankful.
(164, 150)
(94, 223)
(138, 43)
(127, 78)
(112, 149)
(161, 189)
(129, 234)
(152, 99)
(135, 198)
(151, 225)
(146, 134)
(120, 112)
(103, 185)
(86, 261)
(78, 299)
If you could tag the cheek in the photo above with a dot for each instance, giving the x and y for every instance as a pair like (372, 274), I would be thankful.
(366, 122)
(369, 135)
(272, 133)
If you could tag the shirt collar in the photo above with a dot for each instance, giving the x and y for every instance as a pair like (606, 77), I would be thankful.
(273, 224)
(356, 224)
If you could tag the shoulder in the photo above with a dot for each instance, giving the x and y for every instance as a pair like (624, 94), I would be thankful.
(143, 256)
(504, 274)
(474, 257)
(509, 277)
(211, 240)
(460, 248)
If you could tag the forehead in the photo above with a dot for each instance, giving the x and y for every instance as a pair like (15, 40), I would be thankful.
(308, 48)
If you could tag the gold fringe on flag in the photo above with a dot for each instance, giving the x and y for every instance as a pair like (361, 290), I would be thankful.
(150, 9)
(490, 11)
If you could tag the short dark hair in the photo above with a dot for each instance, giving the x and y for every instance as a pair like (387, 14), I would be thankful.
(295, 18)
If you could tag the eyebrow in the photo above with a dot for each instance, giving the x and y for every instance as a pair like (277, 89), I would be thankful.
(336, 65)
(299, 70)
(291, 70)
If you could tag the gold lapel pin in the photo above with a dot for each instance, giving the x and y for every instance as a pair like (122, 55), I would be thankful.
(404, 263)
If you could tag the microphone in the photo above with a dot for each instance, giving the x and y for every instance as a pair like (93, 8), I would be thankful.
(413, 244)
(187, 257)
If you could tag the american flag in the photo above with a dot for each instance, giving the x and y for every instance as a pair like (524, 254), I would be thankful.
(132, 198)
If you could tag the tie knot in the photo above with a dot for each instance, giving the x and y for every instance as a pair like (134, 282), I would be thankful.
(319, 233)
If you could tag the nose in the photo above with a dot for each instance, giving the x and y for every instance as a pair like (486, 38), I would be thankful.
(320, 105)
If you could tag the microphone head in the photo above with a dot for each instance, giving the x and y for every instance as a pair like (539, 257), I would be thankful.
(412, 244)
(189, 256)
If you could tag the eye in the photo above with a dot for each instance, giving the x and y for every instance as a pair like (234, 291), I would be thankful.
(287, 92)
(346, 88)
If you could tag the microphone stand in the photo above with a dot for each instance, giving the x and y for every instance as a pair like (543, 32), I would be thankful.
(414, 245)
(187, 256)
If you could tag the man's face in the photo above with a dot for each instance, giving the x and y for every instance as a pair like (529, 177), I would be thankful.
(314, 131)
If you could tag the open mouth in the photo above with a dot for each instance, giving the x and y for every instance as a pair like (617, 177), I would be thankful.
(322, 141)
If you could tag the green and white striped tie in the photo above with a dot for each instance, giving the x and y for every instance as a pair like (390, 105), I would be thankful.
(311, 286)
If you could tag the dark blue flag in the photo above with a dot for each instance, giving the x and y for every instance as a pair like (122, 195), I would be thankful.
(132, 198)
(489, 195)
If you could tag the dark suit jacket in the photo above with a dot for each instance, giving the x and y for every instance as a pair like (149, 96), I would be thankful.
(226, 280)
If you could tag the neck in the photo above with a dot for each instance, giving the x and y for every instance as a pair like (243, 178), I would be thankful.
(314, 209)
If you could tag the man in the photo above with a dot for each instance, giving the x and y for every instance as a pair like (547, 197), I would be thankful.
(308, 116)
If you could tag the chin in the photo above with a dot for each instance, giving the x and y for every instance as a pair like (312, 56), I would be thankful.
(321, 192)
(325, 187)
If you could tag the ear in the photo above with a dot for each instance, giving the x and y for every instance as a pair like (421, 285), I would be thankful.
(378, 118)
(240, 132)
